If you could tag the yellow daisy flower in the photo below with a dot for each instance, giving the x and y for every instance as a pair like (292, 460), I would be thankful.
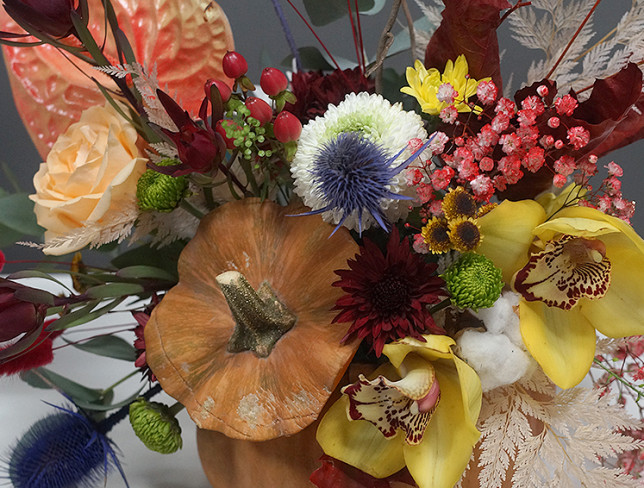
(425, 85)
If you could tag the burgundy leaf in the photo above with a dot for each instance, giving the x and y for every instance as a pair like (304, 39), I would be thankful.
(469, 27)
(336, 474)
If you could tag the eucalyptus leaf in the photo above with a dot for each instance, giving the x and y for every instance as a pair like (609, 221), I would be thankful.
(33, 273)
(85, 314)
(17, 213)
(114, 290)
(324, 12)
(312, 59)
(100, 407)
(165, 258)
(141, 271)
(109, 346)
(35, 296)
(44, 378)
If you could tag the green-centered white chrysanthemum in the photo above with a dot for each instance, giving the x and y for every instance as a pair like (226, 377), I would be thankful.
(348, 163)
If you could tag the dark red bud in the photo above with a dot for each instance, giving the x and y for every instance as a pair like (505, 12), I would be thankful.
(234, 65)
(273, 81)
(259, 109)
(224, 89)
(287, 127)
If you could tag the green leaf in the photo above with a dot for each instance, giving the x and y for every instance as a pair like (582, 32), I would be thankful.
(84, 314)
(33, 273)
(101, 407)
(165, 258)
(17, 213)
(114, 290)
(324, 12)
(9, 236)
(109, 346)
(312, 59)
(44, 378)
(141, 271)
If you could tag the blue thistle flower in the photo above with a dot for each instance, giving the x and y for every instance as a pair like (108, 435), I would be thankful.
(348, 165)
(62, 450)
(352, 174)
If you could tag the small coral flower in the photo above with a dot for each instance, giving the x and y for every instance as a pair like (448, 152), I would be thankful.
(577, 271)
(428, 86)
(387, 295)
(418, 411)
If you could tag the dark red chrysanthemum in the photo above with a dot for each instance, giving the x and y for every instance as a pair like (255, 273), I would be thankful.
(142, 318)
(387, 296)
(315, 91)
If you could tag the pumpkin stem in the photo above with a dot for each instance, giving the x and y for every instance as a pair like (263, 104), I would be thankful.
(260, 318)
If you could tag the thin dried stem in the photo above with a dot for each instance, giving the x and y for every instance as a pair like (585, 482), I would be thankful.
(386, 40)
(412, 33)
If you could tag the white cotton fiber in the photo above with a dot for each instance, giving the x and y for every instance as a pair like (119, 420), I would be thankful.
(494, 357)
(501, 318)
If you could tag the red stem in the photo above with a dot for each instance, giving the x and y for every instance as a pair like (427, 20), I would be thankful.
(581, 26)
(362, 59)
(515, 7)
(314, 34)
(354, 33)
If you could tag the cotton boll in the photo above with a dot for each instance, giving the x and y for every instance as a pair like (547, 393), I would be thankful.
(497, 361)
(501, 317)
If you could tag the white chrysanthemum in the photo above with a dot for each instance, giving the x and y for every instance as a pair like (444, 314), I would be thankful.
(348, 163)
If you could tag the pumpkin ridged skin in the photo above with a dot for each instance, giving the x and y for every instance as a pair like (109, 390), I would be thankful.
(239, 394)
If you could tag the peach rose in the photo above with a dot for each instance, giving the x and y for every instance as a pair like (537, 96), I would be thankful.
(86, 190)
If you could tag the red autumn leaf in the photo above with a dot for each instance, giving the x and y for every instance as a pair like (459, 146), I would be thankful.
(469, 27)
(336, 474)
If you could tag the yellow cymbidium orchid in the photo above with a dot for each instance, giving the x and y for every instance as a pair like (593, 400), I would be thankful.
(424, 85)
(578, 271)
(439, 456)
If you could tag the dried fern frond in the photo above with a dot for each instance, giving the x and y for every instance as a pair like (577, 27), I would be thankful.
(112, 227)
(554, 440)
(549, 25)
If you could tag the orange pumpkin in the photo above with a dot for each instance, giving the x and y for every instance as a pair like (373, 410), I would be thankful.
(185, 40)
(261, 388)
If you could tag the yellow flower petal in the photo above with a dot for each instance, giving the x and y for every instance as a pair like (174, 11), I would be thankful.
(359, 443)
(620, 312)
(440, 459)
(507, 234)
(562, 342)
(435, 347)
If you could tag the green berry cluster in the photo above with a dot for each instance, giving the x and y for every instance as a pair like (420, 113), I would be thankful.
(245, 131)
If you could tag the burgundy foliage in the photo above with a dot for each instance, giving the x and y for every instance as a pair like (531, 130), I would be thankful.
(469, 27)
(49, 17)
(336, 474)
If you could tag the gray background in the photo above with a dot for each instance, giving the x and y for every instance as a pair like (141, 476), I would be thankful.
(258, 37)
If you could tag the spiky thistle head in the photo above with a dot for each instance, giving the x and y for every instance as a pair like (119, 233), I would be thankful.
(63, 450)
